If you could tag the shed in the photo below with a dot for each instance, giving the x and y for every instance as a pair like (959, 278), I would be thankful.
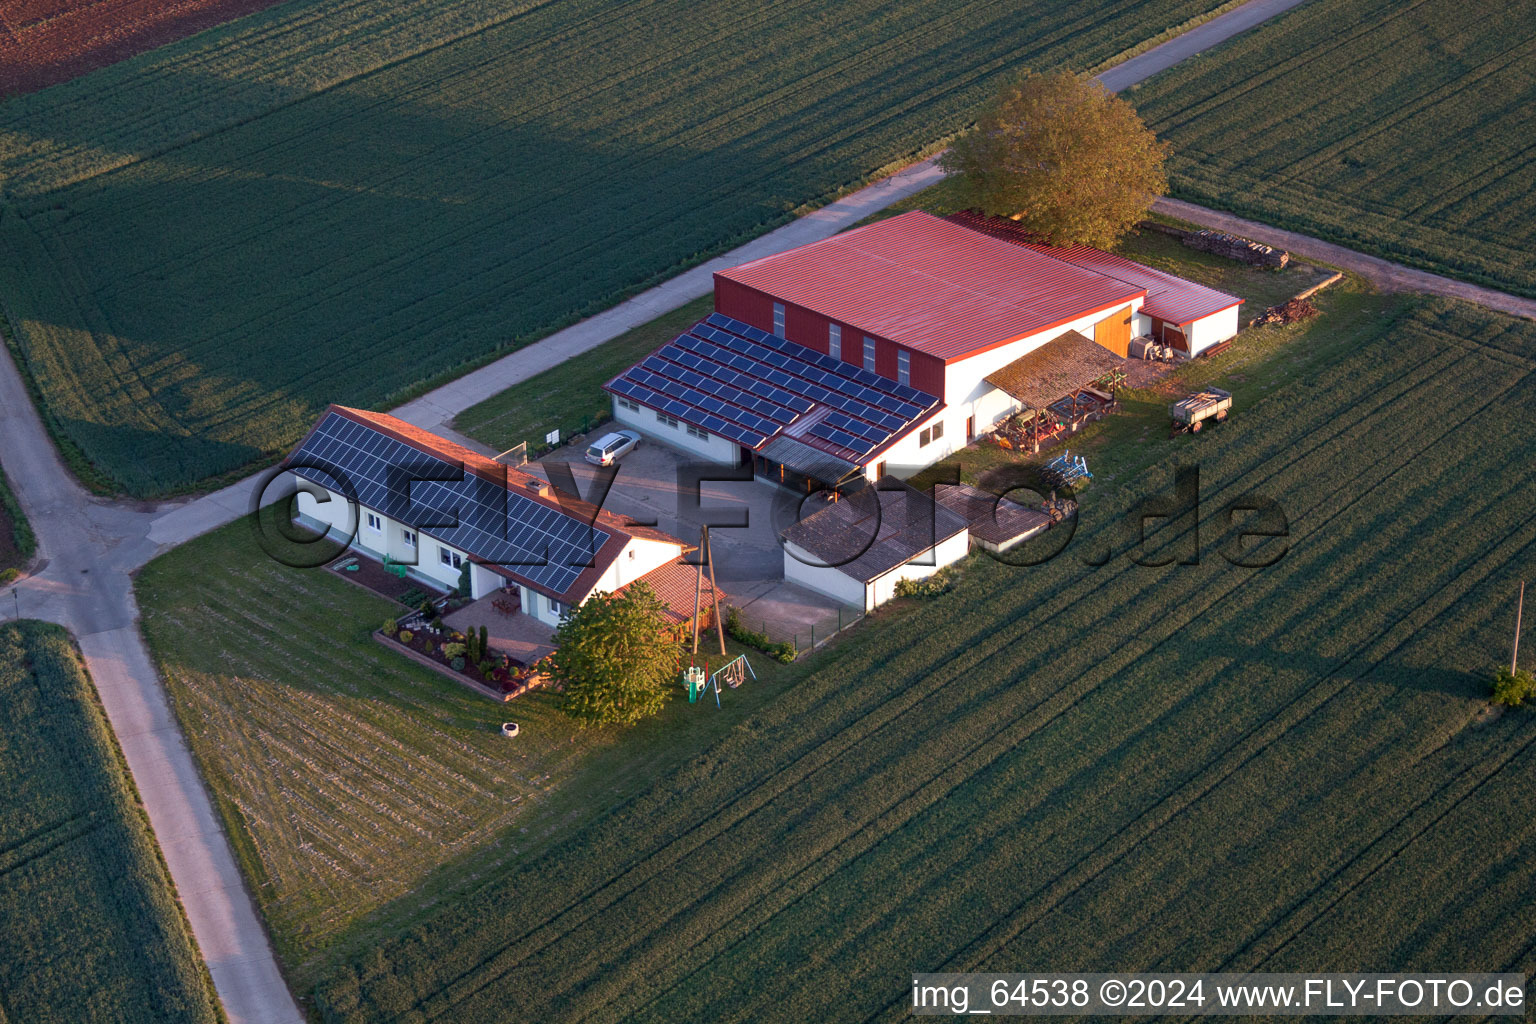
(995, 522)
(858, 548)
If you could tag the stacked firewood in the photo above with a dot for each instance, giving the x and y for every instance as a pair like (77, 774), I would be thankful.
(1232, 247)
(1290, 312)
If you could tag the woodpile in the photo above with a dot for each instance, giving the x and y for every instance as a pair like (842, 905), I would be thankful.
(1290, 312)
(1241, 249)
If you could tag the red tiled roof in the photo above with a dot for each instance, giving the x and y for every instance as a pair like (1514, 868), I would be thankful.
(933, 286)
(1169, 298)
(674, 583)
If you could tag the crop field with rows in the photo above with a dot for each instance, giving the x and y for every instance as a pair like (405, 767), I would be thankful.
(1070, 766)
(201, 246)
(357, 786)
(1402, 131)
(89, 927)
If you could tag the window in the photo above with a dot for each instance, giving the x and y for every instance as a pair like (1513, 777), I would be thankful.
(924, 437)
(556, 607)
(835, 340)
(778, 319)
(930, 434)
(903, 367)
(631, 552)
(450, 558)
(663, 418)
(869, 353)
(694, 431)
(374, 523)
(938, 430)
(632, 406)
(408, 537)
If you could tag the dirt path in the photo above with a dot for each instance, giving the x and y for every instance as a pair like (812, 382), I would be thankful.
(1384, 274)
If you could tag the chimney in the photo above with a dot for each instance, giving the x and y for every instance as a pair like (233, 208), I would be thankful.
(538, 486)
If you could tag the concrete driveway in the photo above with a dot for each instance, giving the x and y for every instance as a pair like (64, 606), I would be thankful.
(654, 485)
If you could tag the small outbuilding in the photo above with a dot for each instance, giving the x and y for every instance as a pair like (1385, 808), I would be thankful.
(860, 546)
(996, 523)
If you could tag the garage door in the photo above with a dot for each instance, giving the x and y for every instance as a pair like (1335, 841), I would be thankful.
(1114, 331)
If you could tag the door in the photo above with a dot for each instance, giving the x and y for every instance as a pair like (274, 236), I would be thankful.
(1114, 332)
(970, 429)
(1174, 338)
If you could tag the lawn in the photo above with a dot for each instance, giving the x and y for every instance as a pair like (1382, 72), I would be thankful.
(17, 542)
(1400, 131)
(203, 245)
(89, 923)
(1095, 763)
(359, 788)
(570, 397)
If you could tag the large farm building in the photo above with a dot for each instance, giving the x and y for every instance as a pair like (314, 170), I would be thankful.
(882, 350)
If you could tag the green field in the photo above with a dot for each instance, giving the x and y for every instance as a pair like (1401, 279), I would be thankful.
(202, 246)
(1079, 768)
(89, 926)
(1402, 131)
(358, 788)
(17, 541)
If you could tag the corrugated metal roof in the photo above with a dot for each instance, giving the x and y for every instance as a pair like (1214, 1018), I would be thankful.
(803, 458)
(1169, 297)
(933, 286)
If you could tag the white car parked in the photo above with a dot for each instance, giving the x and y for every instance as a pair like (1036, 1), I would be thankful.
(609, 448)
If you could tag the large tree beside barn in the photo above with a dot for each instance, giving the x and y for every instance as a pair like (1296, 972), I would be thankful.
(1062, 155)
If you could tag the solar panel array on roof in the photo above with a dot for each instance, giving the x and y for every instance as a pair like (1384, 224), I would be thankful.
(544, 545)
(741, 382)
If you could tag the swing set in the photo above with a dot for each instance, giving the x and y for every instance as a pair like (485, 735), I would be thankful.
(697, 678)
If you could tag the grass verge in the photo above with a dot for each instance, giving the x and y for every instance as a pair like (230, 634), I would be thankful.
(89, 922)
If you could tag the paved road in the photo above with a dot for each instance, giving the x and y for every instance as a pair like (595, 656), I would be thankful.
(1384, 274)
(88, 548)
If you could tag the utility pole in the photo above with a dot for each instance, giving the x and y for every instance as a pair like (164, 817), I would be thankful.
(1514, 659)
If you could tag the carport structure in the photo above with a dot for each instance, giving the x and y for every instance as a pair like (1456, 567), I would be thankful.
(1064, 369)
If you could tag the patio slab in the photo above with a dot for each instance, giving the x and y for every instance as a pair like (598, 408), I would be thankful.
(519, 635)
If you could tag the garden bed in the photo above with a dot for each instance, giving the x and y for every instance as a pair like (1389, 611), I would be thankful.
(503, 680)
(372, 575)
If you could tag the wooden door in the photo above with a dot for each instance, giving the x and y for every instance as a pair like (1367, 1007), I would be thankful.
(970, 429)
(1174, 338)
(1114, 332)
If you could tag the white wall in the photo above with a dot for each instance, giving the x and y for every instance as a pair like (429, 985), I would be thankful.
(823, 579)
(537, 605)
(637, 558)
(389, 539)
(711, 447)
(1209, 330)
(946, 552)
(967, 394)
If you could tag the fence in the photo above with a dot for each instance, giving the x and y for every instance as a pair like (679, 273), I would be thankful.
(805, 636)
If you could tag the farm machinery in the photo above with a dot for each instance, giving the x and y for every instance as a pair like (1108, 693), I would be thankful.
(1191, 414)
(1066, 469)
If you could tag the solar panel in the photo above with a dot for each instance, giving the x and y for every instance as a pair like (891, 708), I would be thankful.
(489, 521)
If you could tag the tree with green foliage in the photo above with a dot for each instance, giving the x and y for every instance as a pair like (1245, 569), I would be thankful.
(615, 657)
(466, 583)
(1062, 155)
(1513, 688)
